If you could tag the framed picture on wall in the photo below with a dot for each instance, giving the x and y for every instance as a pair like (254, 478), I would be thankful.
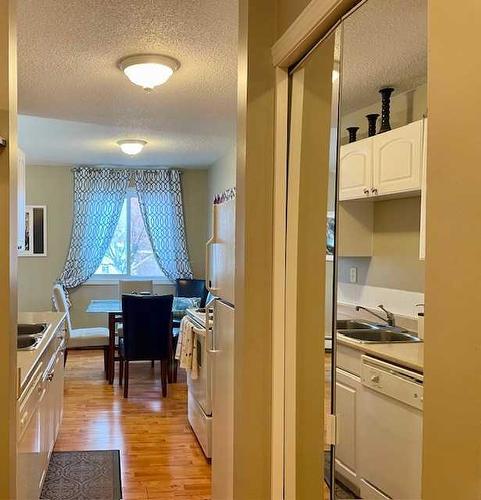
(35, 231)
(330, 235)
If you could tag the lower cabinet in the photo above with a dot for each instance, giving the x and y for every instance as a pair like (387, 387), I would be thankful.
(348, 390)
(39, 416)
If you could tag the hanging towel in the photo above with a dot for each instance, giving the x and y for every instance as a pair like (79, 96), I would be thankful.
(186, 351)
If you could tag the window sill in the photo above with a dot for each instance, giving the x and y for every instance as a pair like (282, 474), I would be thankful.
(115, 281)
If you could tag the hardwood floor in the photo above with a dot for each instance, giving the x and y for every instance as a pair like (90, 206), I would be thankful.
(160, 456)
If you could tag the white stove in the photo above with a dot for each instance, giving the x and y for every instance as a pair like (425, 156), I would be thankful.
(200, 389)
(199, 317)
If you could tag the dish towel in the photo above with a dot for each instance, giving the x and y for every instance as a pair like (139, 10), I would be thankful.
(186, 351)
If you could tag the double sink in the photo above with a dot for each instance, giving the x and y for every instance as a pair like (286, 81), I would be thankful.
(30, 335)
(367, 332)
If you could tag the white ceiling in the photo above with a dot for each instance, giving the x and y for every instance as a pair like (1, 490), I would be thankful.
(67, 57)
(384, 44)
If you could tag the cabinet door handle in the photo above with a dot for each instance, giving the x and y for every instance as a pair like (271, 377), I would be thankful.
(366, 192)
(50, 376)
(374, 191)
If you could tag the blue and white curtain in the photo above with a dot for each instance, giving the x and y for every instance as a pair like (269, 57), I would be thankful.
(98, 197)
(160, 199)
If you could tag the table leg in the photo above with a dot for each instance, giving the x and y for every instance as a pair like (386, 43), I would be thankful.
(111, 365)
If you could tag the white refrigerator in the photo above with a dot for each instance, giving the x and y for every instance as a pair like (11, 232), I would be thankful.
(220, 279)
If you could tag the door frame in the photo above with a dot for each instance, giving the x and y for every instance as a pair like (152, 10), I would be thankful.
(312, 25)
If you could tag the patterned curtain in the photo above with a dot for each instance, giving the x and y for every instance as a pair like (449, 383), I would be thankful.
(160, 200)
(98, 197)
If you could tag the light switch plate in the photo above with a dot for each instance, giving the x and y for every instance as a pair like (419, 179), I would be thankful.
(353, 274)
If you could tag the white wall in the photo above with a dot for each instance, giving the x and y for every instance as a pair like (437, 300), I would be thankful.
(221, 176)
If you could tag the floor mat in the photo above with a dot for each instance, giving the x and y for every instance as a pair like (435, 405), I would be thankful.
(83, 475)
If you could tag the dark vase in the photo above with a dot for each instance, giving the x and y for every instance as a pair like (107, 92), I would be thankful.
(352, 133)
(372, 121)
(385, 109)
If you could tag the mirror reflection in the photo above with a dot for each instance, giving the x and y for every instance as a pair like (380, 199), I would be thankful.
(380, 252)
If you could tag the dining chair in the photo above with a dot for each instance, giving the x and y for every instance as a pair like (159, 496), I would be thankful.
(147, 334)
(80, 338)
(130, 286)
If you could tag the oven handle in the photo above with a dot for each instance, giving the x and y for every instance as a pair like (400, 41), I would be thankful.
(203, 333)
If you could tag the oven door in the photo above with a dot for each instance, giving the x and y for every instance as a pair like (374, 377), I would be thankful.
(200, 388)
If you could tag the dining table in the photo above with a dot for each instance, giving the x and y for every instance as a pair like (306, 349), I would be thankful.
(113, 308)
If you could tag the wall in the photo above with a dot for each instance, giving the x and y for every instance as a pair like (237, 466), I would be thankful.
(405, 108)
(452, 349)
(8, 250)
(220, 176)
(395, 262)
(52, 186)
(287, 12)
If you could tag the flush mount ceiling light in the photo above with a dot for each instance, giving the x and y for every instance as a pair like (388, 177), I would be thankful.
(148, 70)
(131, 146)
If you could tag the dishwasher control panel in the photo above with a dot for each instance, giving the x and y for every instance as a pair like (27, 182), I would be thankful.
(393, 381)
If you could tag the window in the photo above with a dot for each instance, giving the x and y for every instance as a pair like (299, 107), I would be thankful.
(130, 253)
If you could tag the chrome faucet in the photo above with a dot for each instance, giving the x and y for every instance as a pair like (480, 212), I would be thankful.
(390, 316)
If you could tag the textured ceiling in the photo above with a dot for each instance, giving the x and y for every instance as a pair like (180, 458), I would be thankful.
(385, 44)
(67, 56)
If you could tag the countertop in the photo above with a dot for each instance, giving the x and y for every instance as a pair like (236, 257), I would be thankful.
(406, 355)
(27, 360)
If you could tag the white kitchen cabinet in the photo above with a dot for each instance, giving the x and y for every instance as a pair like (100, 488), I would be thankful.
(382, 165)
(21, 200)
(30, 459)
(39, 416)
(422, 226)
(355, 175)
(397, 160)
(348, 390)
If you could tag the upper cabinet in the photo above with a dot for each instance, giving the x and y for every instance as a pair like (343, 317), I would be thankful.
(20, 200)
(385, 164)
(355, 174)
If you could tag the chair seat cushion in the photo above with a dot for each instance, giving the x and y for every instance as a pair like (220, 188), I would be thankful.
(88, 337)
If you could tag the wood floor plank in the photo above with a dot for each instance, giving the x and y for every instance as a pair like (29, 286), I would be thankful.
(160, 456)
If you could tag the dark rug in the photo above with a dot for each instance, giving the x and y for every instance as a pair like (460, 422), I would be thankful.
(83, 475)
(340, 491)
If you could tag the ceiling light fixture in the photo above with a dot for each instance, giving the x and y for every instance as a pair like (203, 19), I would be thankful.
(148, 70)
(131, 146)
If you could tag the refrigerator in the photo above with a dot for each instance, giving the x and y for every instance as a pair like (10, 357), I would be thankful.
(220, 281)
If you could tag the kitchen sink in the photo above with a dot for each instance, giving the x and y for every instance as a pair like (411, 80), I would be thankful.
(31, 329)
(354, 324)
(380, 336)
(27, 342)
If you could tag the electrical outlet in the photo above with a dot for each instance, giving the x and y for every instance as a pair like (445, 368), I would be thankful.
(353, 274)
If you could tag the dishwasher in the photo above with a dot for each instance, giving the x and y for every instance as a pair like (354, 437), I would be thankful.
(390, 434)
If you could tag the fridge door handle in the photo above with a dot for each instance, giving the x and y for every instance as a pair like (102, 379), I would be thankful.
(210, 288)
